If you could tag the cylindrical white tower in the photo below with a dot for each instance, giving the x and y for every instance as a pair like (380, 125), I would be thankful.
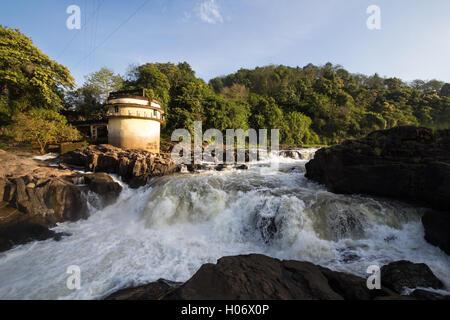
(134, 122)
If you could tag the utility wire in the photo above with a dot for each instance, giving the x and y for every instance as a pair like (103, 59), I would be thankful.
(78, 33)
(113, 32)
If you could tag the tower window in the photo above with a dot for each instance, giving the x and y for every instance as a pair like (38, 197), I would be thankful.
(116, 109)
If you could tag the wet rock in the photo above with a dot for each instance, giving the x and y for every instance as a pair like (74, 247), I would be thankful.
(104, 186)
(407, 163)
(437, 229)
(405, 274)
(258, 277)
(35, 197)
(255, 277)
(152, 291)
(410, 163)
(18, 233)
(420, 294)
(351, 287)
(222, 167)
(293, 154)
(135, 167)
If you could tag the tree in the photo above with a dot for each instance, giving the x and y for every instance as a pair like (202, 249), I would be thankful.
(445, 90)
(150, 78)
(103, 82)
(298, 129)
(89, 98)
(28, 78)
(43, 126)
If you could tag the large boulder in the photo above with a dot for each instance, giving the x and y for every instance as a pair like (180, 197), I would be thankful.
(135, 167)
(35, 197)
(406, 163)
(405, 274)
(103, 185)
(410, 163)
(152, 291)
(258, 277)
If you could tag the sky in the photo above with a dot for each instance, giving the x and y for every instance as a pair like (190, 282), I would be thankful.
(218, 37)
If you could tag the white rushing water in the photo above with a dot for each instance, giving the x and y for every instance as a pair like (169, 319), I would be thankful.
(172, 226)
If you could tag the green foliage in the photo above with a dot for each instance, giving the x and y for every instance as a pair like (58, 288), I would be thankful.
(89, 99)
(28, 78)
(150, 77)
(42, 126)
(339, 104)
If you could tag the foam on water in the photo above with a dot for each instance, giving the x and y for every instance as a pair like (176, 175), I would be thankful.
(171, 227)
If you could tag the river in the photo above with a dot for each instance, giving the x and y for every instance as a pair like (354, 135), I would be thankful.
(172, 226)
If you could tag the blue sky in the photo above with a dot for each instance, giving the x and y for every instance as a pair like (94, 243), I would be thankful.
(218, 37)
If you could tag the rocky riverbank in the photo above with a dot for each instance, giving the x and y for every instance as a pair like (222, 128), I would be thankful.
(407, 163)
(135, 167)
(258, 277)
(35, 196)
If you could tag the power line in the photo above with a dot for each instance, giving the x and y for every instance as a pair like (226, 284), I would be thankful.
(78, 33)
(114, 31)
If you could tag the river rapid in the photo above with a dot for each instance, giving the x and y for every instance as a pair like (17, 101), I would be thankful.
(175, 224)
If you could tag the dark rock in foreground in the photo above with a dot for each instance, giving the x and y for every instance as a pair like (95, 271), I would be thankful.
(152, 291)
(420, 294)
(257, 277)
(135, 167)
(404, 274)
(406, 163)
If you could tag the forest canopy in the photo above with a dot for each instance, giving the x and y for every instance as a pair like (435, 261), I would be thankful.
(310, 105)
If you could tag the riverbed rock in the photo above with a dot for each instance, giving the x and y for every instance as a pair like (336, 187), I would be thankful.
(152, 291)
(405, 274)
(437, 229)
(410, 163)
(104, 186)
(261, 277)
(406, 163)
(35, 197)
(258, 277)
(421, 294)
(135, 167)
(21, 232)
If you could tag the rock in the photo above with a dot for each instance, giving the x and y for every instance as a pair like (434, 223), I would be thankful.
(410, 163)
(63, 166)
(351, 287)
(222, 167)
(437, 229)
(54, 200)
(258, 277)
(406, 163)
(420, 294)
(22, 232)
(405, 274)
(152, 291)
(35, 197)
(293, 154)
(103, 185)
(135, 167)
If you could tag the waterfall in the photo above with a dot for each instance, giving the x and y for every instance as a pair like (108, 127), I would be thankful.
(175, 224)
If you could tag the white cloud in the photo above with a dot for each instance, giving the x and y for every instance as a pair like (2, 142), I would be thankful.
(209, 12)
